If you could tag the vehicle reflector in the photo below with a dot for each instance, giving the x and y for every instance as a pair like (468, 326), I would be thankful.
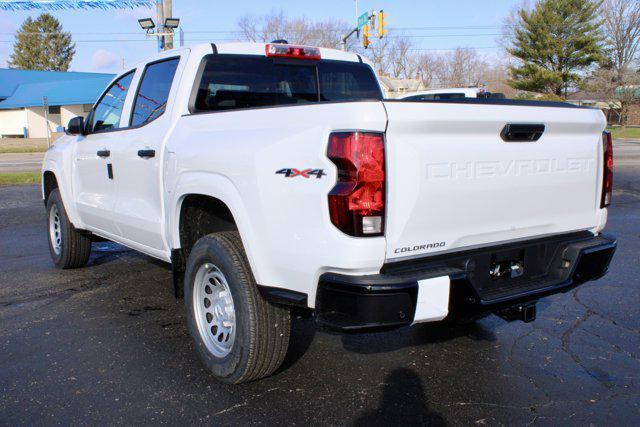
(357, 202)
(607, 173)
(289, 51)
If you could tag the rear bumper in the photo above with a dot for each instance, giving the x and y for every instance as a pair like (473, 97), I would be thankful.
(388, 300)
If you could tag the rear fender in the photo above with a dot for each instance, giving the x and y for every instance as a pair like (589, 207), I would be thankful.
(219, 187)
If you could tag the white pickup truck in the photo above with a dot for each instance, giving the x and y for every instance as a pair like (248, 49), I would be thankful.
(276, 177)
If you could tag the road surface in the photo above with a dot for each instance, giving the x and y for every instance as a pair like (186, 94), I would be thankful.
(20, 162)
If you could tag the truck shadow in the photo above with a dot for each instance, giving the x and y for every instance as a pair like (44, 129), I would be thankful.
(304, 330)
(403, 403)
(383, 342)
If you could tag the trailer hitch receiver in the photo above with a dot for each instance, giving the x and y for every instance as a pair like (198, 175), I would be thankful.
(525, 312)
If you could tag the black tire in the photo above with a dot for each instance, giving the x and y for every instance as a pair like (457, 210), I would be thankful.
(73, 248)
(262, 328)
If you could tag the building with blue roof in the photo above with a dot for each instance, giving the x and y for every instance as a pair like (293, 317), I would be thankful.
(22, 94)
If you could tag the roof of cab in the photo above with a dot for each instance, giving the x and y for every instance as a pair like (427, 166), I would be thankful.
(259, 49)
(247, 49)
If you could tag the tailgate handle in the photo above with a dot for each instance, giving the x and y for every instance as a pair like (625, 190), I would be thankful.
(522, 132)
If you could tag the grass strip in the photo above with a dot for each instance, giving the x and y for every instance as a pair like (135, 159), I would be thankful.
(20, 178)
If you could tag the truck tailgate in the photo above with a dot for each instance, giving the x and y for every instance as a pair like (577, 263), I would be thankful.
(454, 183)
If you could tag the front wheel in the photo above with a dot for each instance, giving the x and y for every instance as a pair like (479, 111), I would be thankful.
(239, 336)
(68, 247)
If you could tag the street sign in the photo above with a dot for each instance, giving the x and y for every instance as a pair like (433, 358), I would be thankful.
(363, 19)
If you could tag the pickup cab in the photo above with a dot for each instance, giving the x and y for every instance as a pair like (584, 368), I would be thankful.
(276, 179)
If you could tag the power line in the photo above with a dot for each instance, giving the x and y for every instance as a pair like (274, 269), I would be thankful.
(207, 40)
(445, 35)
(454, 48)
(392, 29)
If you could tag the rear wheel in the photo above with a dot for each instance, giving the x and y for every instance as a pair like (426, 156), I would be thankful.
(239, 336)
(68, 247)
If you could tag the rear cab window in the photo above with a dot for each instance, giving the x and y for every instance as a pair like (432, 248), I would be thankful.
(232, 82)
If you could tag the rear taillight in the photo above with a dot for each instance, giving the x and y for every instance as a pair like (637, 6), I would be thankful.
(357, 202)
(607, 172)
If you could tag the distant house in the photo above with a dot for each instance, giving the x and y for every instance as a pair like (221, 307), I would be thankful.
(394, 88)
(68, 94)
(610, 108)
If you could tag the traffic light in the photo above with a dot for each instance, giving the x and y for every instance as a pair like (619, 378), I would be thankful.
(382, 17)
(365, 36)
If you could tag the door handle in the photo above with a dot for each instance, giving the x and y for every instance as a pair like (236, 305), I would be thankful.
(146, 154)
(103, 153)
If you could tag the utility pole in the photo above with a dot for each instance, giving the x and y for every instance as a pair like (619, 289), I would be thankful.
(166, 27)
(160, 21)
(168, 39)
(45, 105)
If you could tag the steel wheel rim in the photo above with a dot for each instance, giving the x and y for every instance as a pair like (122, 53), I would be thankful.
(214, 310)
(55, 229)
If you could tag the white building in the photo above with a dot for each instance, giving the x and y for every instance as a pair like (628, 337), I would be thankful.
(23, 93)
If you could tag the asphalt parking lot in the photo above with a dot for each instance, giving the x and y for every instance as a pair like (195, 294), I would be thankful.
(108, 345)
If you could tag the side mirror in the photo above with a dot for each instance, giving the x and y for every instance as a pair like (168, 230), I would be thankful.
(76, 126)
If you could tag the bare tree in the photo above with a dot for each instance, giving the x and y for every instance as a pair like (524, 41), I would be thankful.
(511, 22)
(428, 68)
(617, 79)
(393, 56)
(390, 55)
(496, 78)
(276, 26)
(461, 68)
(622, 32)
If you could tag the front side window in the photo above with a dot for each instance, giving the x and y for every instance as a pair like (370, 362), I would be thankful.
(231, 82)
(107, 113)
(151, 100)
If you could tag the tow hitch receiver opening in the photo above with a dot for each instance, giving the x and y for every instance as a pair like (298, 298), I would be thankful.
(524, 312)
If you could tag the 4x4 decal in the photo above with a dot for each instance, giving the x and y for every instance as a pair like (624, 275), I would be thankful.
(305, 173)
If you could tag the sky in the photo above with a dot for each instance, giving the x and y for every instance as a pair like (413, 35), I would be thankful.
(107, 39)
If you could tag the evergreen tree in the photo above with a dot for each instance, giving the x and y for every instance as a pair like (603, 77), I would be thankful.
(42, 45)
(554, 43)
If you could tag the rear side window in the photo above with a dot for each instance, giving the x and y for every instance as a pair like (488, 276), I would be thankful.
(153, 92)
(344, 81)
(231, 82)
